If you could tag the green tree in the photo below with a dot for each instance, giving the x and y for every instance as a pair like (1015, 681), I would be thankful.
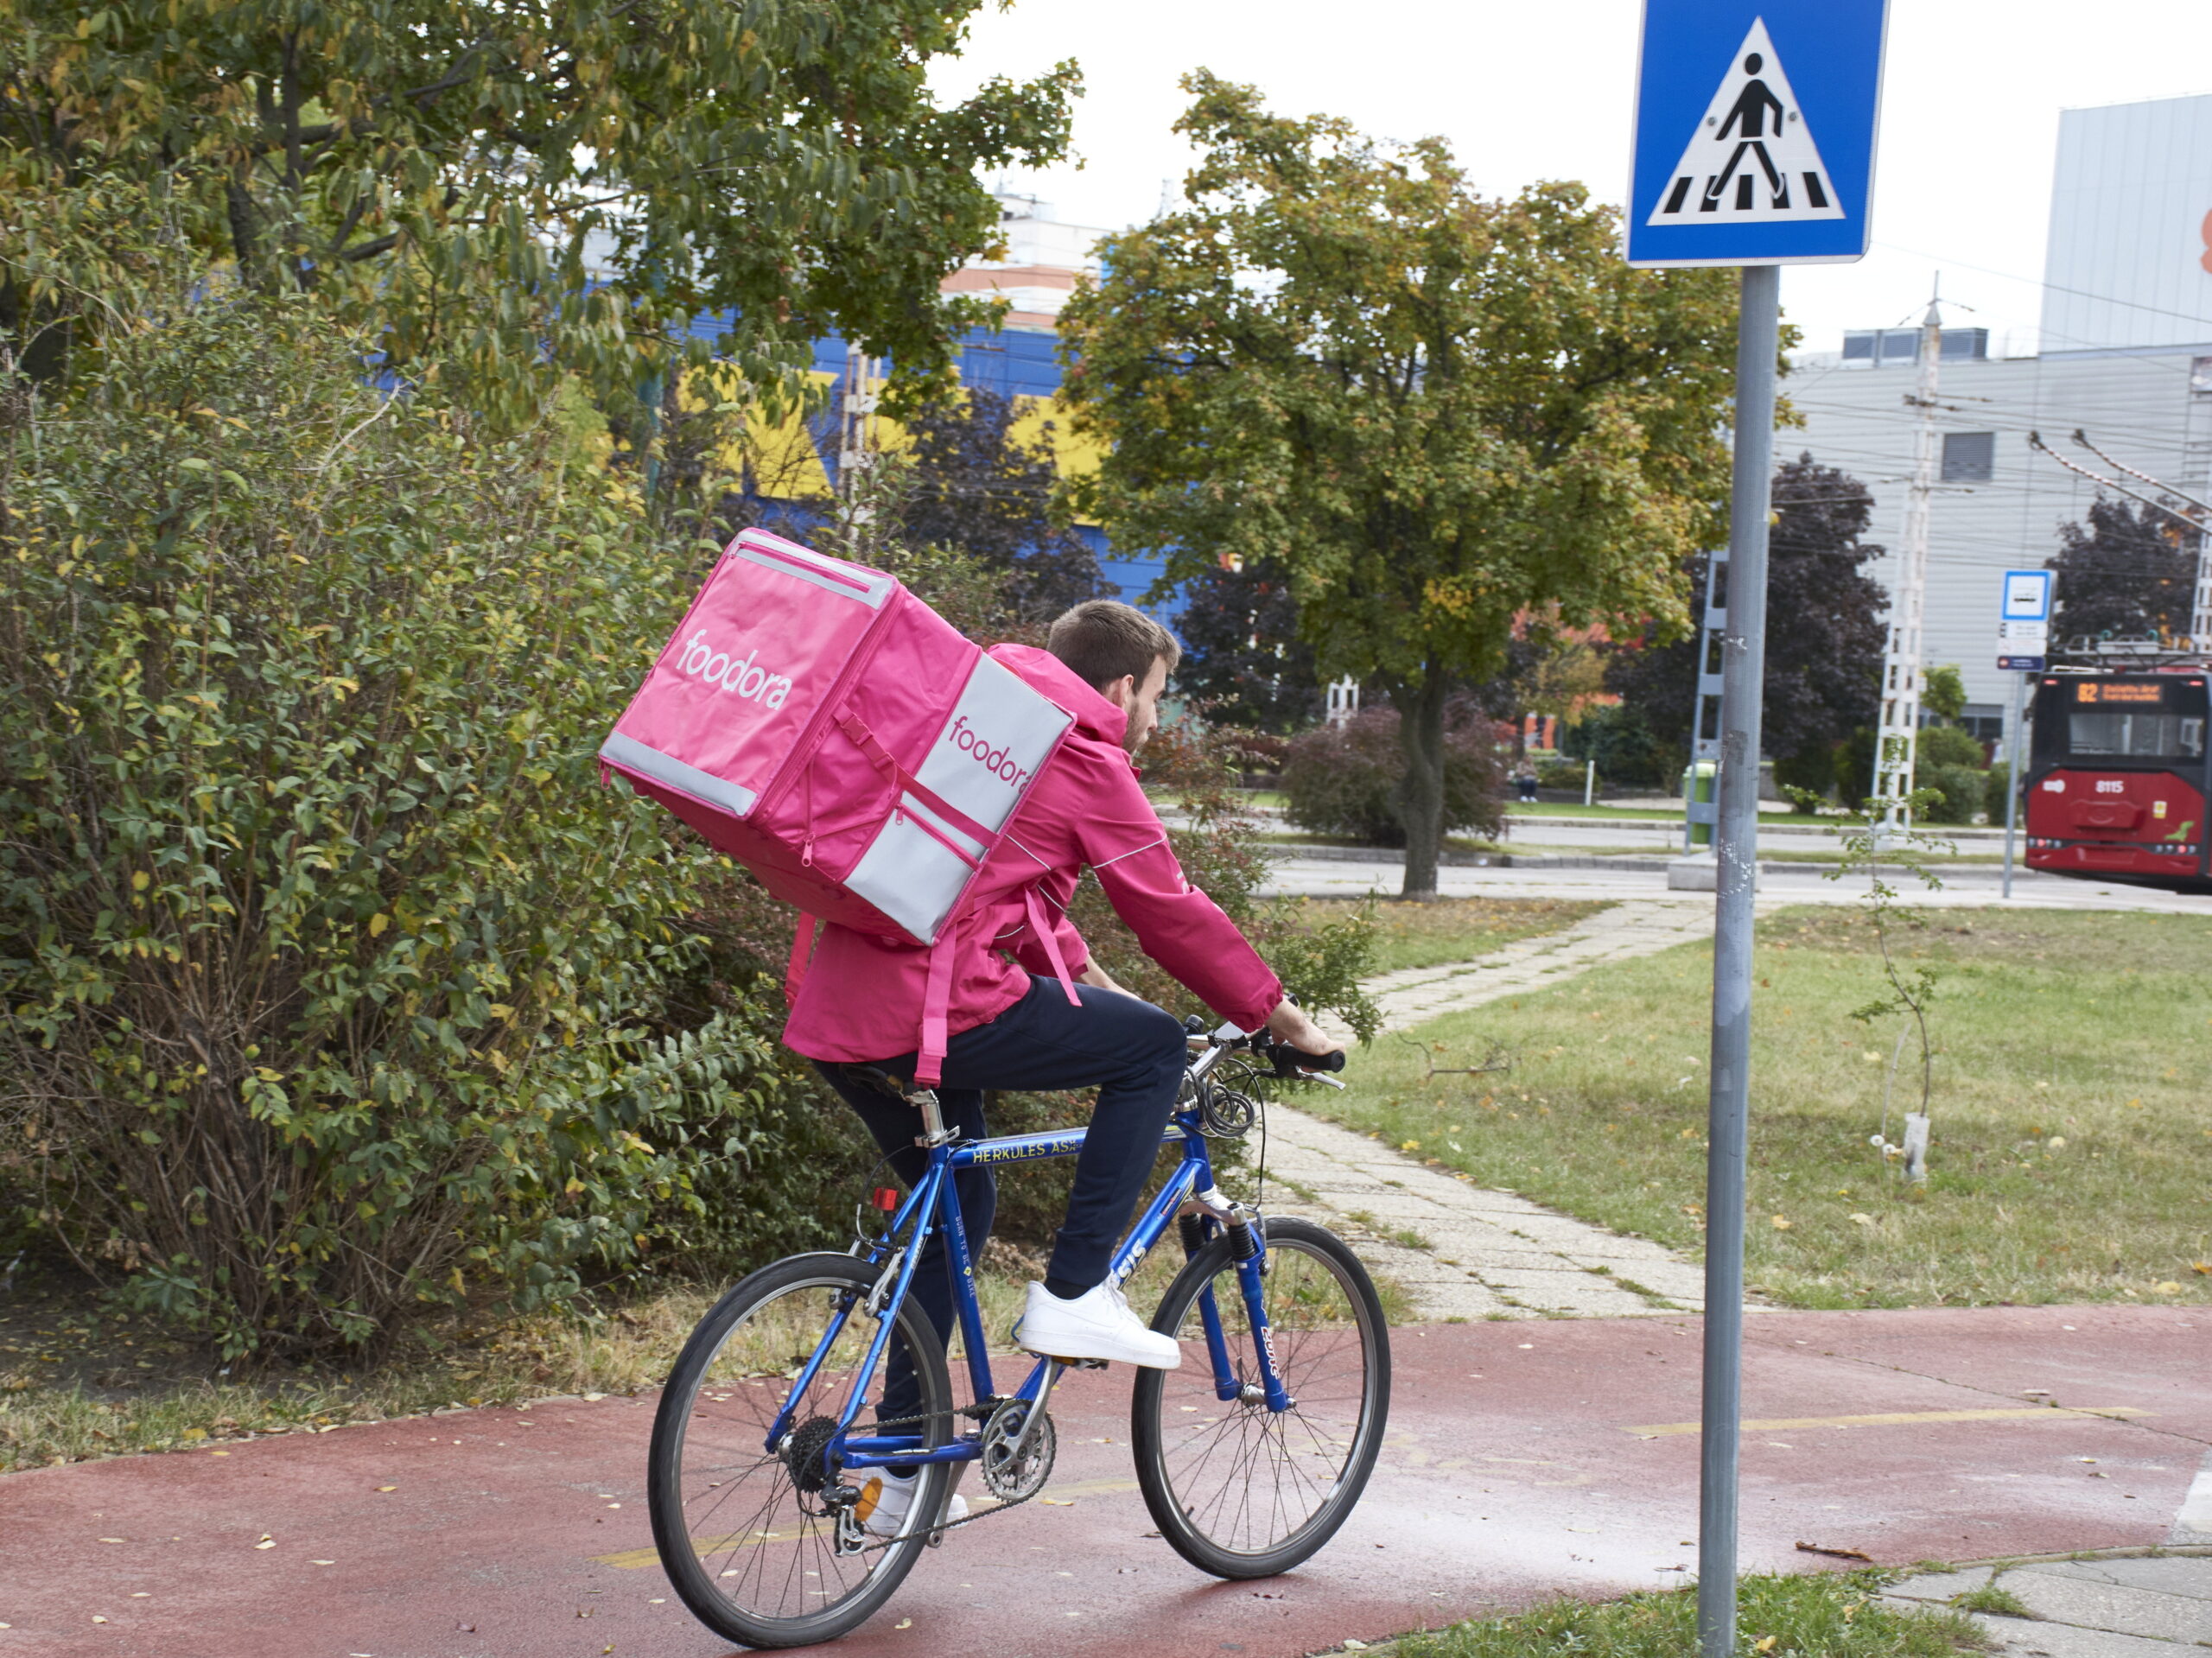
(1943, 692)
(488, 189)
(1439, 412)
(1824, 632)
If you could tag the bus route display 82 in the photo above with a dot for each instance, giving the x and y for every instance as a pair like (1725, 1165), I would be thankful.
(2117, 776)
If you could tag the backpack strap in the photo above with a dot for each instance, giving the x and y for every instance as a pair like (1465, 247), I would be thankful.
(1051, 942)
(802, 953)
(936, 1000)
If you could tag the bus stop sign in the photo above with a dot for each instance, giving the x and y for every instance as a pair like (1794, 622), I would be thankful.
(1755, 132)
(2024, 621)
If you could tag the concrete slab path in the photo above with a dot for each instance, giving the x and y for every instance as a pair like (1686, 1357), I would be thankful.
(2132, 1605)
(1460, 1251)
(1523, 1460)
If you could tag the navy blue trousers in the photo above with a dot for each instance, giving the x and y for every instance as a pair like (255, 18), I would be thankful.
(1131, 1052)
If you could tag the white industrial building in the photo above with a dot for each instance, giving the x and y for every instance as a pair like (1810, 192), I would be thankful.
(2125, 355)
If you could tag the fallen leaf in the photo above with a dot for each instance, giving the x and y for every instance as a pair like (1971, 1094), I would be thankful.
(387, 1487)
(1355, 1646)
(111, 1540)
(267, 1541)
(1766, 1645)
(594, 1398)
(2169, 1287)
(1057, 1503)
(322, 1562)
(904, 1624)
(1862, 1220)
(1781, 1222)
(98, 1619)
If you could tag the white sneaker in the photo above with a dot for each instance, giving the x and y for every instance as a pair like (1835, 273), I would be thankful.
(886, 1499)
(1096, 1324)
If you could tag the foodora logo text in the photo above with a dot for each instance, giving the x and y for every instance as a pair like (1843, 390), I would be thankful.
(735, 675)
(972, 743)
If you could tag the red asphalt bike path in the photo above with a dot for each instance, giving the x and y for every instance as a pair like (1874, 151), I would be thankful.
(1523, 1459)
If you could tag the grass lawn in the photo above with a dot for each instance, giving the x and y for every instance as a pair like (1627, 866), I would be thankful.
(1822, 1615)
(2072, 1156)
(1449, 930)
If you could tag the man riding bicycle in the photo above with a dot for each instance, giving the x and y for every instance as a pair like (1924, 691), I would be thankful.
(1013, 1023)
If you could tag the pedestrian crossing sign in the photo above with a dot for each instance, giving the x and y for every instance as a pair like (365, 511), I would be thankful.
(1755, 132)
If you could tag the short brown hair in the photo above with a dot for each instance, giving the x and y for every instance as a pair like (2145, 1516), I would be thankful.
(1104, 640)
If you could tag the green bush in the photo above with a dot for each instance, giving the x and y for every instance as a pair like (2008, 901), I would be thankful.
(339, 985)
(2000, 785)
(1958, 792)
(1806, 778)
(1948, 746)
(1556, 771)
(1343, 779)
(1627, 753)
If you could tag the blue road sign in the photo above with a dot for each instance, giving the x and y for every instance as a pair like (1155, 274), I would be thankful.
(1755, 132)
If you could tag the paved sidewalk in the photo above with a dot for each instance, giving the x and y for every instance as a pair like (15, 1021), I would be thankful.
(2137, 1605)
(1619, 932)
(1462, 1251)
(1459, 1250)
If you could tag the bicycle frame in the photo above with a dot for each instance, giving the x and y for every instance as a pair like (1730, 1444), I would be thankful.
(934, 1202)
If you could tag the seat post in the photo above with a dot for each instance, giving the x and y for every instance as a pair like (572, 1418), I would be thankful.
(934, 1132)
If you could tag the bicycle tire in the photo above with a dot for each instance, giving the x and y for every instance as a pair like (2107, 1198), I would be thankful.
(715, 1414)
(1220, 1534)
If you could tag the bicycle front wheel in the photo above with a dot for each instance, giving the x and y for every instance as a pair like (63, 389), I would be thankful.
(740, 1512)
(1238, 1489)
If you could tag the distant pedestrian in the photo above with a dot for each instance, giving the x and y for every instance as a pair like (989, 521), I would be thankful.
(1524, 780)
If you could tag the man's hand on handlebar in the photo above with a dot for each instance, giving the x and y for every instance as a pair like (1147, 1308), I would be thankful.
(1288, 1024)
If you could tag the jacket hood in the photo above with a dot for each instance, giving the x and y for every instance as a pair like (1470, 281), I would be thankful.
(1043, 672)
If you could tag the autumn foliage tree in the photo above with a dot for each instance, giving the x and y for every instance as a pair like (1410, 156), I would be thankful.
(1437, 412)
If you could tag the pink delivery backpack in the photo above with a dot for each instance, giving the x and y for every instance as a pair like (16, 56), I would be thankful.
(828, 730)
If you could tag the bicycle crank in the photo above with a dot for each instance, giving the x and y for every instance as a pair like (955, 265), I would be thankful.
(1018, 1446)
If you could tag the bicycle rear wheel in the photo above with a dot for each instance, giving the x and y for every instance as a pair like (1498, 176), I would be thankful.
(742, 1528)
(1238, 1490)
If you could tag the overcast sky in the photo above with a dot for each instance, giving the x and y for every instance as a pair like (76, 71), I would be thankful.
(1543, 90)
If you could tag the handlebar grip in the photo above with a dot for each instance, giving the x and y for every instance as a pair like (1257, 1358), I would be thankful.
(1289, 1061)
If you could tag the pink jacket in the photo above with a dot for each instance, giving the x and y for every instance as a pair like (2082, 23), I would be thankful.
(862, 999)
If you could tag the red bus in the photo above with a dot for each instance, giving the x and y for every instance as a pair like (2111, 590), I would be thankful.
(2117, 779)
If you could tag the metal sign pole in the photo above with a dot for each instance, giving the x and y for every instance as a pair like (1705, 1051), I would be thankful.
(2015, 753)
(1742, 669)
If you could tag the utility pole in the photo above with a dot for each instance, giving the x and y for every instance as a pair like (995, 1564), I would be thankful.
(1899, 733)
(855, 433)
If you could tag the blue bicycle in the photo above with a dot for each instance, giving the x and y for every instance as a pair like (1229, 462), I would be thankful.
(1250, 1455)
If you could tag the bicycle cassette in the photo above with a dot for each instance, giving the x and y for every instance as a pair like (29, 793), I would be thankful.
(1015, 1470)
